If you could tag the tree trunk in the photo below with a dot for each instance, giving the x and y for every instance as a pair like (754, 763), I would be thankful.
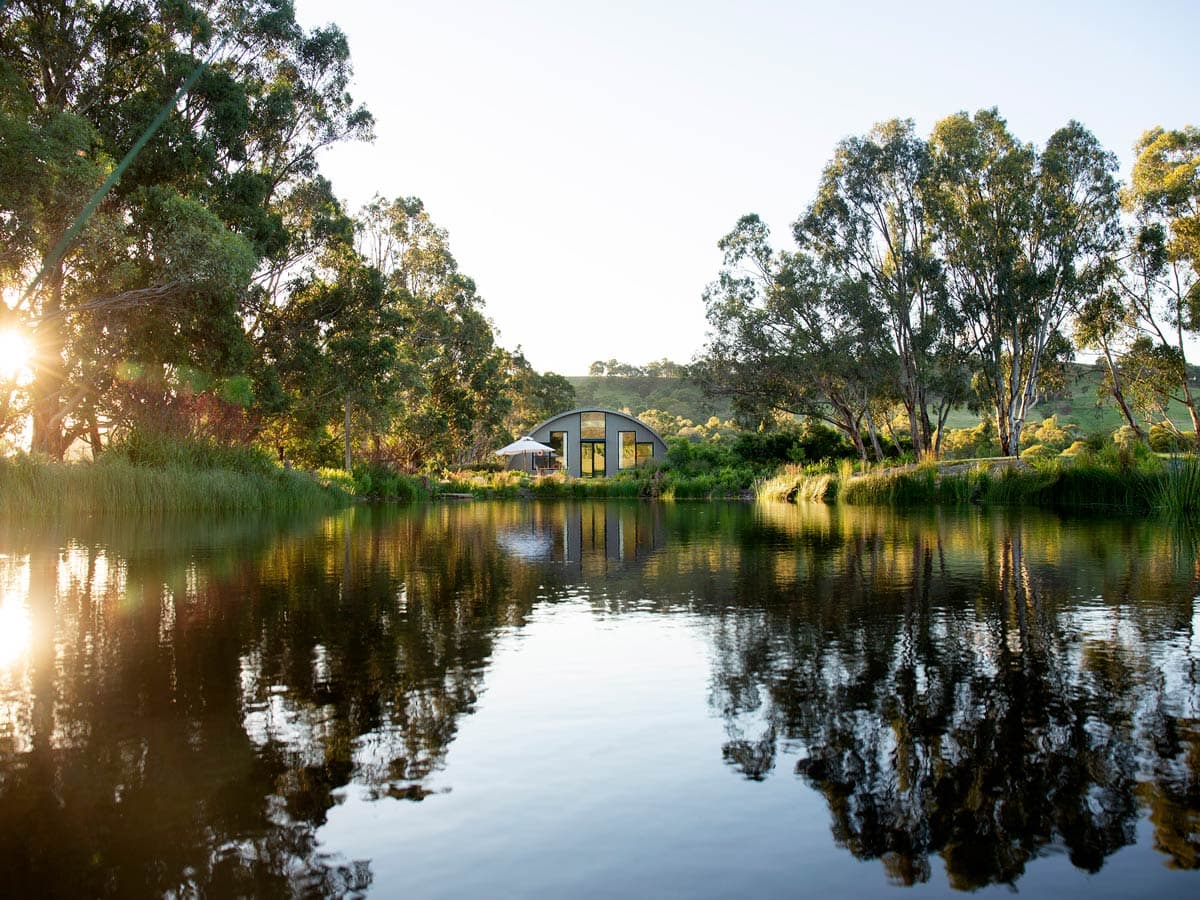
(46, 390)
(874, 436)
(914, 430)
(348, 459)
(94, 436)
(1119, 394)
(1188, 399)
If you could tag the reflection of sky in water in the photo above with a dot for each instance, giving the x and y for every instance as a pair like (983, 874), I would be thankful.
(14, 612)
(609, 700)
(526, 545)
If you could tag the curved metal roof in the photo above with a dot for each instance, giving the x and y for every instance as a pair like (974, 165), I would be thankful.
(599, 409)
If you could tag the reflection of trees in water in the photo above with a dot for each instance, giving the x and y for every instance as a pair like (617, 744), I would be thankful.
(959, 699)
(187, 718)
(195, 701)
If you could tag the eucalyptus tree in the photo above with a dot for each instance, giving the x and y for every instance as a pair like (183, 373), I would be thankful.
(196, 214)
(1161, 280)
(1103, 323)
(533, 396)
(452, 394)
(332, 351)
(788, 334)
(869, 223)
(1025, 236)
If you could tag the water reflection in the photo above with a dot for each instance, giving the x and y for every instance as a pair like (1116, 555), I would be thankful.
(978, 692)
(182, 704)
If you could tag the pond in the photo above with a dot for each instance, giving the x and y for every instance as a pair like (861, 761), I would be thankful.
(600, 700)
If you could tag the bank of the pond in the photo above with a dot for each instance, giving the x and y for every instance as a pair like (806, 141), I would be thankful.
(651, 484)
(1129, 486)
(114, 483)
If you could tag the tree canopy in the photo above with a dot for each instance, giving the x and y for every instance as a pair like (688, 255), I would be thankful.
(217, 259)
(957, 269)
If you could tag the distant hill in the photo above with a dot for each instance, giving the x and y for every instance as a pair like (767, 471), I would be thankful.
(1078, 403)
(638, 393)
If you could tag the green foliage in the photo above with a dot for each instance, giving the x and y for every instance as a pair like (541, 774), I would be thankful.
(970, 443)
(1038, 451)
(155, 450)
(380, 482)
(534, 397)
(907, 488)
(162, 273)
(1125, 437)
(1178, 493)
(30, 486)
(1014, 291)
(793, 333)
(1054, 434)
(869, 223)
(808, 441)
(674, 397)
(1165, 438)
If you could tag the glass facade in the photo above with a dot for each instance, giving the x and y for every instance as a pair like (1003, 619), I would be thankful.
(628, 441)
(591, 426)
(591, 459)
(558, 440)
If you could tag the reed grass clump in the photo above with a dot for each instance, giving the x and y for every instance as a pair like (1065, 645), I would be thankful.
(29, 485)
(818, 484)
(909, 487)
(1178, 491)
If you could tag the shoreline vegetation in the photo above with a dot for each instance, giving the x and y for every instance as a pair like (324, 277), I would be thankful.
(162, 476)
(152, 474)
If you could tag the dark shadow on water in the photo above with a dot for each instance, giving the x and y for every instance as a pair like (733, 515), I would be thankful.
(183, 702)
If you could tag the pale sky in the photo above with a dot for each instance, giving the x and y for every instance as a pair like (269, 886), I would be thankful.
(586, 159)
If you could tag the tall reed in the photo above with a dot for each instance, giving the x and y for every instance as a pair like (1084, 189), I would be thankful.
(29, 486)
(1178, 493)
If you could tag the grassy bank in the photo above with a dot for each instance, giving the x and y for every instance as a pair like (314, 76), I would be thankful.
(1119, 482)
(118, 483)
(651, 484)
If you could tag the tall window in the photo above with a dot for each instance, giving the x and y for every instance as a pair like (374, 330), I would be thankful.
(558, 440)
(645, 452)
(628, 442)
(591, 459)
(591, 426)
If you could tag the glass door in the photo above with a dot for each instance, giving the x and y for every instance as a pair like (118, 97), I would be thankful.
(591, 459)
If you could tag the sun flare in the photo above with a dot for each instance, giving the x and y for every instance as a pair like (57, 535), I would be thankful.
(16, 354)
(15, 631)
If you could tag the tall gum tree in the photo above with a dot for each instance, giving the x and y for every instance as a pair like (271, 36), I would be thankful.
(1025, 236)
(1161, 279)
(869, 221)
(787, 335)
(83, 80)
(452, 394)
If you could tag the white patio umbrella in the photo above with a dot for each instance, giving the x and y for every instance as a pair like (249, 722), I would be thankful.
(524, 445)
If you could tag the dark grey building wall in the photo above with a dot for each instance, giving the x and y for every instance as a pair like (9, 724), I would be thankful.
(614, 423)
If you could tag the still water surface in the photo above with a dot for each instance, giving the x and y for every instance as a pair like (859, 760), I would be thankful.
(600, 700)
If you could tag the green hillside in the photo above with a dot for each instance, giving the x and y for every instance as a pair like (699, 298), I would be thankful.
(638, 393)
(1079, 402)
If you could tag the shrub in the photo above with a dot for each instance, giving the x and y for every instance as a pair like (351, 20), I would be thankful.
(381, 482)
(770, 448)
(967, 443)
(1166, 438)
(1125, 436)
(1038, 451)
(1054, 434)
